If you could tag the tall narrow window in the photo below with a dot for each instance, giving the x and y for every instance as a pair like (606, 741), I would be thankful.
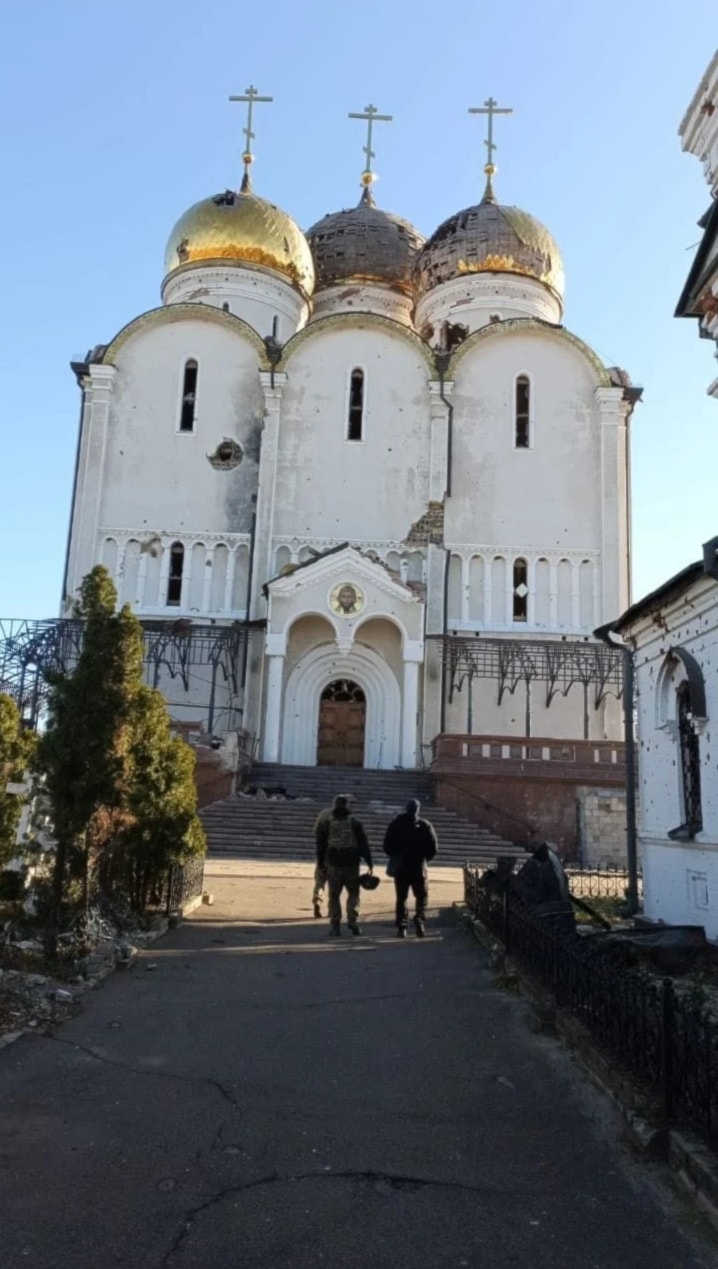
(521, 591)
(189, 397)
(174, 579)
(690, 761)
(356, 406)
(522, 413)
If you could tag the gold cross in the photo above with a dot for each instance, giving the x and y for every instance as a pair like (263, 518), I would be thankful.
(250, 95)
(372, 116)
(490, 108)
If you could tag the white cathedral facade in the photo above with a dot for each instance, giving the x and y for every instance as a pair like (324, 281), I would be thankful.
(354, 451)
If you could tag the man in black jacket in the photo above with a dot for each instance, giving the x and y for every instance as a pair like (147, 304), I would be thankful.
(341, 845)
(410, 842)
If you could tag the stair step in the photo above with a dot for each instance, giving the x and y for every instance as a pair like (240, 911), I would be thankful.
(281, 828)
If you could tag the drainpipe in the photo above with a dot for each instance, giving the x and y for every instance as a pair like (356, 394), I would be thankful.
(250, 571)
(609, 636)
(274, 354)
(442, 360)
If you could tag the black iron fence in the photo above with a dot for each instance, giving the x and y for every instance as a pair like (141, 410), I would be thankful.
(661, 1032)
(605, 882)
(183, 883)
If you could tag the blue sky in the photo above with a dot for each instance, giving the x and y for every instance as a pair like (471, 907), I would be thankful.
(114, 119)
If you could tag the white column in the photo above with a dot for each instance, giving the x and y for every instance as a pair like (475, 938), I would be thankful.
(553, 594)
(531, 597)
(273, 704)
(413, 655)
(89, 481)
(465, 585)
(164, 574)
(229, 583)
(187, 560)
(207, 579)
(615, 524)
(272, 387)
(141, 579)
(488, 590)
(575, 594)
(509, 581)
(121, 553)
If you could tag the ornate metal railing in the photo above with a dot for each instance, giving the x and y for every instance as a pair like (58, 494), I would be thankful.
(183, 883)
(606, 882)
(31, 651)
(664, 1034)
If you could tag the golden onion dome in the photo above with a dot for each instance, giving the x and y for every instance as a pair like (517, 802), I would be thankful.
(490, 238)
(364, 244)
(239, 227)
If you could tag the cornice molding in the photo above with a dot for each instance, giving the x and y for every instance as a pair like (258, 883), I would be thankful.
(533, 553)
(356, 321)
(167, 536)
(521, 325)
(168, 313)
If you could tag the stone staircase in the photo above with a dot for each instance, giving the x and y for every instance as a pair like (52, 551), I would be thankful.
(278, 823)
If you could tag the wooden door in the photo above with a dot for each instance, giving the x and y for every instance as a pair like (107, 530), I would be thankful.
(341, 727)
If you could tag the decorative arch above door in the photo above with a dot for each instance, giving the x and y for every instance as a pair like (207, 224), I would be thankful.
(342, 725)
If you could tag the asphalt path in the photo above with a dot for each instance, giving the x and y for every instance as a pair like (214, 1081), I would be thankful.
(253, 1094)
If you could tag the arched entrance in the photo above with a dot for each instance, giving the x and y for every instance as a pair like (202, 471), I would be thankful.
(302, 698)
(342, 724)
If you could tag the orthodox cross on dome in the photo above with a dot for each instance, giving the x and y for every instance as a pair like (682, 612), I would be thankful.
(250, 95)
(372, 116)
(490, 108)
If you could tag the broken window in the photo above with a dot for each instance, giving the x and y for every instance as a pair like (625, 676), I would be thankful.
(356, 406)
(521, 591)
(174, 579)
(689, 745)
(453, 334)
(189, 397)
(522, 413)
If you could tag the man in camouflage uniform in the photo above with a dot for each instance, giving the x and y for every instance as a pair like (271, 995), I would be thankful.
(320, 873)
(341, 845)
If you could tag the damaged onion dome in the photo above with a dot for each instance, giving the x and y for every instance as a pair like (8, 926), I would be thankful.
(241, 228)
(490, 238)
(364, 244)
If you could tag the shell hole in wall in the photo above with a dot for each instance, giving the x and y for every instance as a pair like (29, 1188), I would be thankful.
(227, 455)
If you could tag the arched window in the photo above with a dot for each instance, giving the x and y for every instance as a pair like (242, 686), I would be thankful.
(355, 422)
(522, 413)
(174, 577)
(521, 591)
(189, 397)
(689, 746)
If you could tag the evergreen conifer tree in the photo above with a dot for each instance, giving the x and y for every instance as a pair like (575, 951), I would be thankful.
(15, 750)
(107, 744)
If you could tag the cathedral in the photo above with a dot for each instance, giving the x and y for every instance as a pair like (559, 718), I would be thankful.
(364, 489)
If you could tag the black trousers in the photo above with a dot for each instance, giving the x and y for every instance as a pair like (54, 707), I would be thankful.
(418, 884)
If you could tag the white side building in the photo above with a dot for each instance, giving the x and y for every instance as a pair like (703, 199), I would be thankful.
(673, 634)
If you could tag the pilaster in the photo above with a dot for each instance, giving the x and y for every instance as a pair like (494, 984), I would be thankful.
(439, 416)
(413, 653)
(615, 524)
(272, 387)
(97, 387)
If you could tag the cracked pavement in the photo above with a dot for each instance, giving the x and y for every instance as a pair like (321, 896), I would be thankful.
(268, 1098)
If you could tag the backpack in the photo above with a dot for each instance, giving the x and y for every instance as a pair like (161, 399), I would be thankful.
(341, 846)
